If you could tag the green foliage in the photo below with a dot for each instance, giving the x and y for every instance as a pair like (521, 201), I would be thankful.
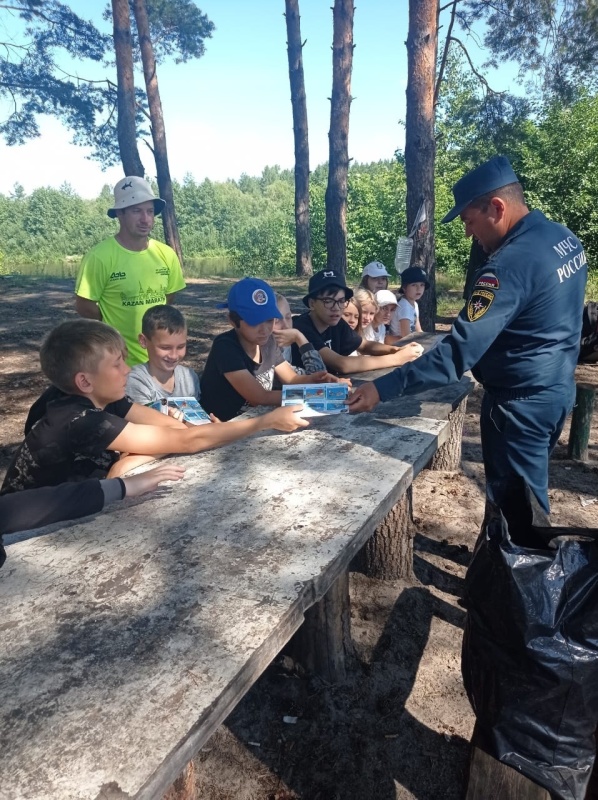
(32, 81)
(35, 61)
(554, 41)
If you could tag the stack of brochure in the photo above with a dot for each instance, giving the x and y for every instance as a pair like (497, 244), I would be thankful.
(318, 398)
(192, 411)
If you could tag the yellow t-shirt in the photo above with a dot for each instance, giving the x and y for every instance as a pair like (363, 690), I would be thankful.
(125, 283)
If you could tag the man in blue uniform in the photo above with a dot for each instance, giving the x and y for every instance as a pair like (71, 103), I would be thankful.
(519, 331)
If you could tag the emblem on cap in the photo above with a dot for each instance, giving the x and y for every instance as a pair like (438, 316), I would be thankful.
(329, 275)
(259, 297)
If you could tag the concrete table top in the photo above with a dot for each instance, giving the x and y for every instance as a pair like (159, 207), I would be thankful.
(127, 638)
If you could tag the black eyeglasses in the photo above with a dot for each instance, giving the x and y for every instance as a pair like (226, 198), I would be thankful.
(330, 302)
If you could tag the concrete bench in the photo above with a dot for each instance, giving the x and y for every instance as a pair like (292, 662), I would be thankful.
(129, 637)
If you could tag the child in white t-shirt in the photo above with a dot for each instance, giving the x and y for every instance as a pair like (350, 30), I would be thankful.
(387, 304)
(405, 320)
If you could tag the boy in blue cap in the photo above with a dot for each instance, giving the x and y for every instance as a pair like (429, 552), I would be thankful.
(519, 331)
(243, 362)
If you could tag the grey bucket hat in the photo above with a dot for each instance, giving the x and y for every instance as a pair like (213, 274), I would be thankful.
(132, 190)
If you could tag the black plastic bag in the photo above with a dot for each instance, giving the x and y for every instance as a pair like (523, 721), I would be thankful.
(530, 650)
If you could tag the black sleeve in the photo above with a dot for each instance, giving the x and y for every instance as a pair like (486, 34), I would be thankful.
(93, 432)
(120, 408)
(34, 508)
(228, 355)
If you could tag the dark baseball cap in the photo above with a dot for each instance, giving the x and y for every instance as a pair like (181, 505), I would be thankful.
(414, 275)
(326, 279)
(488, 176)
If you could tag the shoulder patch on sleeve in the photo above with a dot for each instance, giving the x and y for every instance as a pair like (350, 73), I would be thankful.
(487, 280)
(479, 302)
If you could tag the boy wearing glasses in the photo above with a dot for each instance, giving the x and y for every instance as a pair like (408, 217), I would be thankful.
(323, 325)
(243, 362)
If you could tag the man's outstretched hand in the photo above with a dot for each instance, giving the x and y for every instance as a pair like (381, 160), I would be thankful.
(364, 398)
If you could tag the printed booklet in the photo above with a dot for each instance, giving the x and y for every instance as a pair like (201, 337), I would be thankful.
(318, 398)
(192, 411)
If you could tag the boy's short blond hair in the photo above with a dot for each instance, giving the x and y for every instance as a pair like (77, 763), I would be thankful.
(77, 346)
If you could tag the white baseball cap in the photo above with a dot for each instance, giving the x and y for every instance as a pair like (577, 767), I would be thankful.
(131, 191)
(385, 298)
(375, 269)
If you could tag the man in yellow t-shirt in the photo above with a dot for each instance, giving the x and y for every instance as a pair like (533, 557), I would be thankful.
(123, 276)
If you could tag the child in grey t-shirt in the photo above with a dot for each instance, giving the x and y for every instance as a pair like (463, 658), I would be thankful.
(164, 336)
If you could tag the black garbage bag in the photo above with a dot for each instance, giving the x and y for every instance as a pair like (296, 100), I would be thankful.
(530, 649)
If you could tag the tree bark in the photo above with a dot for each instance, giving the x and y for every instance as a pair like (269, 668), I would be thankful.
(388, 553)
(338, 162)
(303, 264)
(324, 640)
(420, 147)
(171, 231)
(126, 106)
(448, 456)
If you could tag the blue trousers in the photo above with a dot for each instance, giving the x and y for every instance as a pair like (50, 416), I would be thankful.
(519, 435)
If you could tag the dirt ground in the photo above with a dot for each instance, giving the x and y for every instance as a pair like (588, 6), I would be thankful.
(399, 727)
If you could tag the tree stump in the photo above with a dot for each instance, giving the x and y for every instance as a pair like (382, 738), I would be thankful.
(491, 778)
(184, 786)
(388, 553)
(581, 421)
(448, 455)
(322, 642)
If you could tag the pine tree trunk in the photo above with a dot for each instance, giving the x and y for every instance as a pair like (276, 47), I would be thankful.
(126, 128)
(338, 166)
(298, 101)
(171, 231)
(420, 147)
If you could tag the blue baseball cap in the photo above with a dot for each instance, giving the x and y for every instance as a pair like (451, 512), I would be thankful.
(488, 176)
(253, 300)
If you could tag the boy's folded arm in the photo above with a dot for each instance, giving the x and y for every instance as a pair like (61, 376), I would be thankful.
(368, 348)
(364, 363)
(251, 390)
(337, 363)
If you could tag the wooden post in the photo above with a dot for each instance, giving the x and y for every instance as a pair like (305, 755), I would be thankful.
(491, 778)
(388, 553)
(184, 786)
(581, 421)
(324, 639)
(448, 455)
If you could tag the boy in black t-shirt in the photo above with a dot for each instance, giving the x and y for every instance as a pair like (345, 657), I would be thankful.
(323, 325)
(242, 363)
(92, 430)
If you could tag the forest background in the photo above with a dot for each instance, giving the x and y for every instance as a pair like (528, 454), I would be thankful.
(249, 222)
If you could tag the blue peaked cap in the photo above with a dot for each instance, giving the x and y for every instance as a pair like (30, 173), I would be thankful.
(253, 300)
(488, 176)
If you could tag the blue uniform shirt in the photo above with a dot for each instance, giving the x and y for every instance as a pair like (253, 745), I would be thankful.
(520, 328)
